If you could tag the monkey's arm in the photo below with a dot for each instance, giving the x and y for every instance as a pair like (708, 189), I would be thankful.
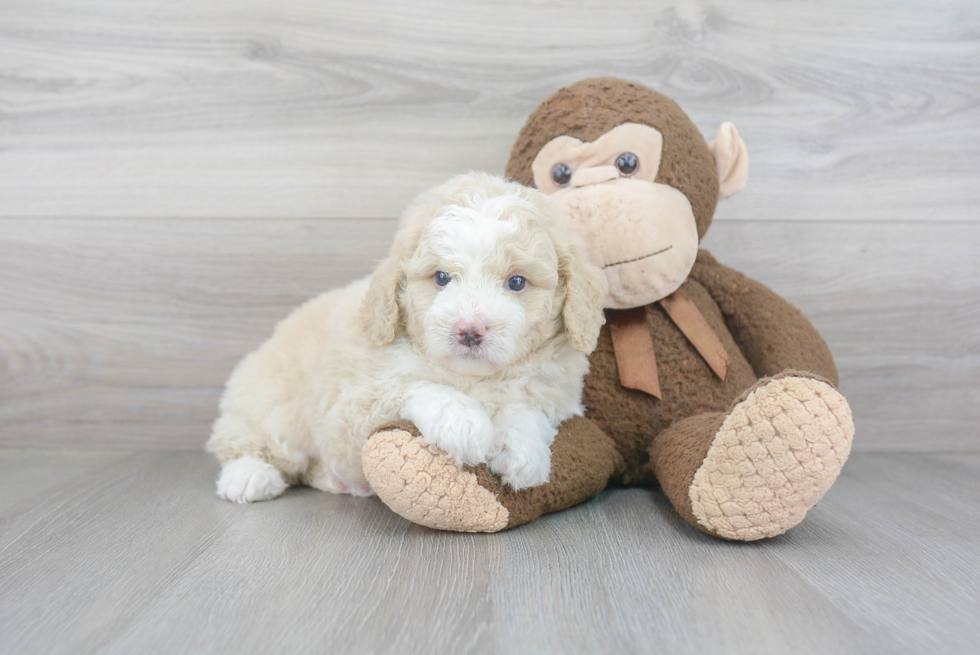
(773, 335)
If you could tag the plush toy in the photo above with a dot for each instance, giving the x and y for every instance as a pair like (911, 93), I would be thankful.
(703, 381)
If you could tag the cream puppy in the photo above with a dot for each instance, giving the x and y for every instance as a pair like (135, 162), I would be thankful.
(476, 328)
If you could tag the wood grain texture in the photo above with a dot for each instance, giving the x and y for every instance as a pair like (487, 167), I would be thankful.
(26, 475)
(899, 305)
(116, 559)
(889, 519)
(121, 333)
(158, 108)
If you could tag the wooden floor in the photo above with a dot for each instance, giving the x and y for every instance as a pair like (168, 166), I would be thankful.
(133, 553)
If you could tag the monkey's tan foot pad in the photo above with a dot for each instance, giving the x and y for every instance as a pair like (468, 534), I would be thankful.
(776, 454)
(424, 486)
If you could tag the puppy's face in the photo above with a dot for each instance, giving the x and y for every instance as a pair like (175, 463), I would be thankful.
(481, 287)
(482, 273)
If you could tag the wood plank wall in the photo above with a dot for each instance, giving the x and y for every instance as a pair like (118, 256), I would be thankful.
(175, 176)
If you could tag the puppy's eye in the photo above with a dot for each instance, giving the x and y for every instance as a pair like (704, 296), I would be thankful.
(441, 278)
(561, 174)
(627, 163)
(516, 283)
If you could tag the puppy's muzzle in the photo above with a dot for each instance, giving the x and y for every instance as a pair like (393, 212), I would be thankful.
(470, 332)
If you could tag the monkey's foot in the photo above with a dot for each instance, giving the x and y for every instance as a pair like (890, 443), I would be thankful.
(420, 483)
(776, 454)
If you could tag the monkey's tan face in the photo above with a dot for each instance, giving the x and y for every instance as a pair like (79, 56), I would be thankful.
(643, 234)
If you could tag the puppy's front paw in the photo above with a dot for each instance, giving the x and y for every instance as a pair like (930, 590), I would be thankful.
(525, 460)
(453, 422)
(523, 464)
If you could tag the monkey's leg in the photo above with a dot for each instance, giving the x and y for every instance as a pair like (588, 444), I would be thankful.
(755, 471)
(772, 334)
(419, 483)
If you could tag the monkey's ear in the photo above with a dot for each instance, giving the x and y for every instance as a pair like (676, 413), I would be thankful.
(585, 295)
(732, 160)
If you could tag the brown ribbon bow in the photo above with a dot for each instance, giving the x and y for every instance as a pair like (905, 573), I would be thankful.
(633, 343)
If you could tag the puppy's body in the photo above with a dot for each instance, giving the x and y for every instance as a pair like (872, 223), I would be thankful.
(300, 408)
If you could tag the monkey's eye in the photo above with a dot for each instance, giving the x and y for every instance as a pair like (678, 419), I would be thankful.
(516, 283)
(441, 278)
(627, 163)
(561, 174)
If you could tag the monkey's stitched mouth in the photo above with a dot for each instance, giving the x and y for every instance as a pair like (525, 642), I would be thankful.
(636, 259)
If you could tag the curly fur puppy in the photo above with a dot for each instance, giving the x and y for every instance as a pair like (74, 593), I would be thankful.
(475, 328)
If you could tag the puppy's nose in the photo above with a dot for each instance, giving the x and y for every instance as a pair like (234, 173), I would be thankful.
(470, 332)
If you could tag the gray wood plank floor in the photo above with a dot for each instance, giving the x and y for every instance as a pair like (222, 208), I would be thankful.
(130, 553)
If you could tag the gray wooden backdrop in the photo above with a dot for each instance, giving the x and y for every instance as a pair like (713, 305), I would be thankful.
(175, 176)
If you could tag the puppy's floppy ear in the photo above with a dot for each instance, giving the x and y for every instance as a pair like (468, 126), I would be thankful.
(379, 308)
(585, 295)
(380, 312)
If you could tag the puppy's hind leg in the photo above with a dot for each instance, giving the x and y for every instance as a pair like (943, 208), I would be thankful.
(249, 480)
(251, 466)
(320, 477)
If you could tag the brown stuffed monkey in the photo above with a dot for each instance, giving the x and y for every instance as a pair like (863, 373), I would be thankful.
(703, 381)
